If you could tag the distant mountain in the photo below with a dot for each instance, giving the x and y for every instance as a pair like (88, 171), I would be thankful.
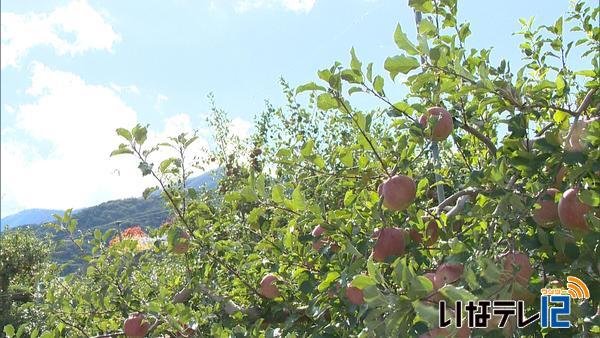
(118, 214)
(108, 211)
(29, 216)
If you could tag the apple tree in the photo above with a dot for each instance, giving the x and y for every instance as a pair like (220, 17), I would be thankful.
(481, 183)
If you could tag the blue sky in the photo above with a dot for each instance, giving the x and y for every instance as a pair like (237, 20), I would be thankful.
(73, 71)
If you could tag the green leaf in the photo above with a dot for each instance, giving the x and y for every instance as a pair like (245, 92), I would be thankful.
(560, 84)
(558, 26)
(403, 42)
(423, 6)
(249, 194)
(560, 116)
(124, 133)
(308, 148)
(362, 281)
(331, 277)
(346, 158)
(355, 64)
(400, 64)
(426, 26)
(298, 202)
(420, 286)
(164, 165)
(277, 194)
(71, 226)
(464, 32)
(590, 197)
(309, 86)
(140, 134)
(9, 330)
(255, 215)
(378, 85)
(326, 101)
(453, 293)
(190, 141)
(145, 168)
(148, 191)
(123, 149)
(587, 73)
(427, 313)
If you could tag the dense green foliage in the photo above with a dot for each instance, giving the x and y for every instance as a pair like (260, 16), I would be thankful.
(23, 258)
(321, 163)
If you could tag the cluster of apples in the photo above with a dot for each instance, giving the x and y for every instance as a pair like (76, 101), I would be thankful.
(570, 211)
(398, 193)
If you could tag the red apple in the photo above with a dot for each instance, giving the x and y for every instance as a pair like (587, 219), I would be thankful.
(547, 215)
(318, 244)
(431, 232)
(183, 243)
(390, 242)
(375, 234)
(517, 266)
(447, 273)
(136, 325)
(267, 288)
(415, 236)
(572, 212)
(354, 295)
(436, 333)
(317, 231)
(399, 192)
(442, 126)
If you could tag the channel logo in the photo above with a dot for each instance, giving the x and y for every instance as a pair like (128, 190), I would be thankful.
(577, 288)
(555, 308)
(557, 302)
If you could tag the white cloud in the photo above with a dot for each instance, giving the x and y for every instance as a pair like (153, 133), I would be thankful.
(159, 100)
(57, 153)
(71, 131)
(121, 89)
(299, 5)
(305, 6)
(240, 128)
(89, 30)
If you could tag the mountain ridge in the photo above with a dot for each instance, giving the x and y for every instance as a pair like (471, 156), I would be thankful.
(37, 216)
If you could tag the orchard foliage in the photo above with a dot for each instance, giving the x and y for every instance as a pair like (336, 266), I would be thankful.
(514, 135)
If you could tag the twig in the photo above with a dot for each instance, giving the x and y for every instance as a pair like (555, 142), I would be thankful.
(452, 198)
(584, 104)
(343, 104)
(438, 178)
(491, 146)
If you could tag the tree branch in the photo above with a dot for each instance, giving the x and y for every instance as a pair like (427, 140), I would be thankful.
(491, 146)
(470, 191)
